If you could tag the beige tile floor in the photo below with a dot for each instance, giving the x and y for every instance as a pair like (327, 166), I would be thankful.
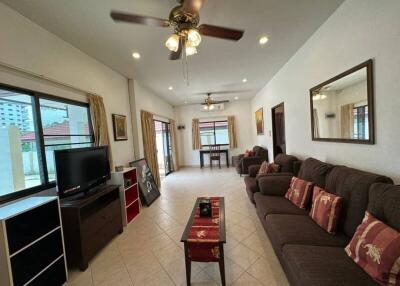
(149, 251)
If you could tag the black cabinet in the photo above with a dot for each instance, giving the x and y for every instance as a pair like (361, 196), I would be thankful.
(31, 243)
(90, 222)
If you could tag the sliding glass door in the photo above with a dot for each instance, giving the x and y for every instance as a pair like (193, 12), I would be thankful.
(164, 147)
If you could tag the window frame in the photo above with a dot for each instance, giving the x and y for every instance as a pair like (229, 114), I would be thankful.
(36, 96)
(215, 137)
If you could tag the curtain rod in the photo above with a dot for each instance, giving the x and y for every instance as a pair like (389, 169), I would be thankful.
(45, 78)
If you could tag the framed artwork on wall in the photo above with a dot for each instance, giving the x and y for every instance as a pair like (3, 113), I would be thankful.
(260, 121)
(119, 127)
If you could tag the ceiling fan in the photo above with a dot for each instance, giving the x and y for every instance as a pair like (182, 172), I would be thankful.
(209, 102)
(184, 19)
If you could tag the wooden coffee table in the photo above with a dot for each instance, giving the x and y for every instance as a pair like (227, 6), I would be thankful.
(198, 246)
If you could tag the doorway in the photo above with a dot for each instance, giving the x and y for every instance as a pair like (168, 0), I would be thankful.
(278, 129)
(164, 147)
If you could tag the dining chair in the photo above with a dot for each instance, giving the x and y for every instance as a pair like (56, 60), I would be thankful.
(215, 155)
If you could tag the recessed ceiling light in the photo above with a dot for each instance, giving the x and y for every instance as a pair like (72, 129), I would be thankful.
(244, 80)
(171, 88)
(136, 55)
(236, 97)
(263, 40)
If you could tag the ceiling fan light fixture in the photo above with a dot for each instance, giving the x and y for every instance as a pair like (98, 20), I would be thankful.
(263, 40)
(136, 55)
(190, 51)
(172, 43)
(193, 37)
(211, 107)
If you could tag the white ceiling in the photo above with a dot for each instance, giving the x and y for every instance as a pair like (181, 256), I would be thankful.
(219, 66)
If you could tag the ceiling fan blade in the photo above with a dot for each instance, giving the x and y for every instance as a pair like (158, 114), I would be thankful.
(224, 92)
(193, 6)
(138, 19)
(221, 32)
(221, 101)
(178, 54)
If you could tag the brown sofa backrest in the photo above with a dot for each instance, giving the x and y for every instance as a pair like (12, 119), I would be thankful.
(353, 186)
(384, 204)
(286, 162)
(313, 170)
(260, 152)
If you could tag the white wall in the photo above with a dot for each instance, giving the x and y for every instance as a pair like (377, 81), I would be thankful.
(357, 31)
(147, 101)
(28, 46)
(185, 114)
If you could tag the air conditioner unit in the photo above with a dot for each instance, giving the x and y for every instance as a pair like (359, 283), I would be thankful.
(217, 107)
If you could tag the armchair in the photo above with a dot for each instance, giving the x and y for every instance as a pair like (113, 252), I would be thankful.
(260, 155)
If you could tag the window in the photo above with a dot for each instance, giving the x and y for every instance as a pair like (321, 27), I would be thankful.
(42, 124)
(360, 127)
(214, 133)
(65, 126)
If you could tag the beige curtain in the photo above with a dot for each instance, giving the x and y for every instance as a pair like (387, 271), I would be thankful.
(316, 123)
(195, 134)
(99, 123)
(175, 157)
(232, 132)
(346, 121)
(149, 144)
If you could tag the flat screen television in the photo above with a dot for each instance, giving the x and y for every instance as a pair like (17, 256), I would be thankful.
(79, 170)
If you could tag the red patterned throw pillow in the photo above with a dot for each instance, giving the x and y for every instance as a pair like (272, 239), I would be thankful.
(375, 247)
(267, 168)
(325, 210)
(299, 192)
(315, 193)
(248, 153)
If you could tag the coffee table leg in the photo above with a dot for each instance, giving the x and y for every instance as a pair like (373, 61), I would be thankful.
(222, 263)
(188, 264)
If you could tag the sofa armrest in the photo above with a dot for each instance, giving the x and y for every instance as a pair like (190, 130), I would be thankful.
(248, 161)
(275, 184)
(253, 170)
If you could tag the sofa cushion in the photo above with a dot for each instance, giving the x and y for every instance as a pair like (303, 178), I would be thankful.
(315, 171)
(384, 202)
(353, 186)
(299, 192)
(297, 229)
(260, 152)
(325, 210)
(286, 162)
(322, 266)
(267, 205)
(375, 247)
(275, 184)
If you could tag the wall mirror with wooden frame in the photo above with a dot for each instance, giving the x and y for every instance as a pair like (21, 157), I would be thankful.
(342, 108)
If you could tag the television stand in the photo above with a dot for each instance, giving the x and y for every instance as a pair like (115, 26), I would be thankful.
(90, 222)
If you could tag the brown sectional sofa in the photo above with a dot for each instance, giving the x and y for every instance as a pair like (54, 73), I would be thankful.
(289, 166)
(309, 255)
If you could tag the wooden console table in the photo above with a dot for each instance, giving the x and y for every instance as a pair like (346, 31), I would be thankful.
(222, 151)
